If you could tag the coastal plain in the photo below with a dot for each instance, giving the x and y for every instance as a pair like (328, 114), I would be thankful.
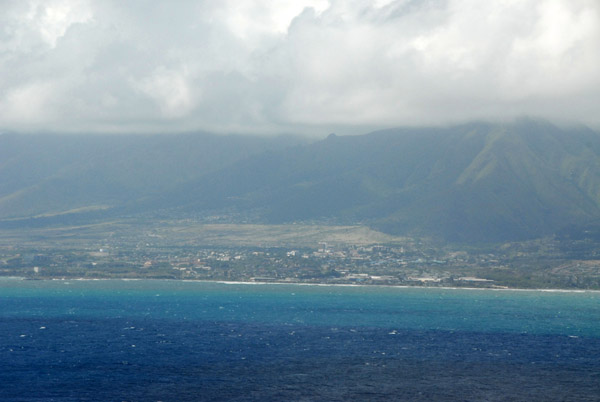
(302, 253)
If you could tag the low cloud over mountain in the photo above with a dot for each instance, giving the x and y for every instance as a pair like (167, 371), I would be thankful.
(308, 66)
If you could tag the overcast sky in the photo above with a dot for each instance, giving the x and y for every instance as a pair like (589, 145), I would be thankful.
(303, 66)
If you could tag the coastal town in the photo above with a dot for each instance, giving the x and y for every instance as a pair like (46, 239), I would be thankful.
(411, 262)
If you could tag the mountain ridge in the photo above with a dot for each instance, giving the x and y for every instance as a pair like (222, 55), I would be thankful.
(466, 183)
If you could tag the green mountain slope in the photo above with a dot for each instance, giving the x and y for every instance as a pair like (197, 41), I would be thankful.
(49, 174)
(467, 183)
(474, 182)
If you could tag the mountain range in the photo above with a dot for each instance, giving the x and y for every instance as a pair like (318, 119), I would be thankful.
(476, 182)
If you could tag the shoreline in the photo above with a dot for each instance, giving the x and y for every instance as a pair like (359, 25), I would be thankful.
(224, 282)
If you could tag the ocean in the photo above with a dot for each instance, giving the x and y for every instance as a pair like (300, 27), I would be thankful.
(154, 340)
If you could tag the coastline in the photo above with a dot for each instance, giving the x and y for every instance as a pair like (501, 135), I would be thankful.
(401, 286)
(374, 286)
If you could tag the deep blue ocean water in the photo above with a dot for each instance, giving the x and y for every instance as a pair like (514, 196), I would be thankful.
(186, 341)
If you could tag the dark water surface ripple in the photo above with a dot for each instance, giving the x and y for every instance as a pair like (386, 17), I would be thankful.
(186, 341)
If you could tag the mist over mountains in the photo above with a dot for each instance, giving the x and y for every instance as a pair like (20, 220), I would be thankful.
(469, 183)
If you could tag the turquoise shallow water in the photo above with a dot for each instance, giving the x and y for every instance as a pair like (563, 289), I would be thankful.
(174, 340)
(518, 311)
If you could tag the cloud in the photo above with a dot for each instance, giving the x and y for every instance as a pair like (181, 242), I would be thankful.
(169, 89)
(309, 66)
